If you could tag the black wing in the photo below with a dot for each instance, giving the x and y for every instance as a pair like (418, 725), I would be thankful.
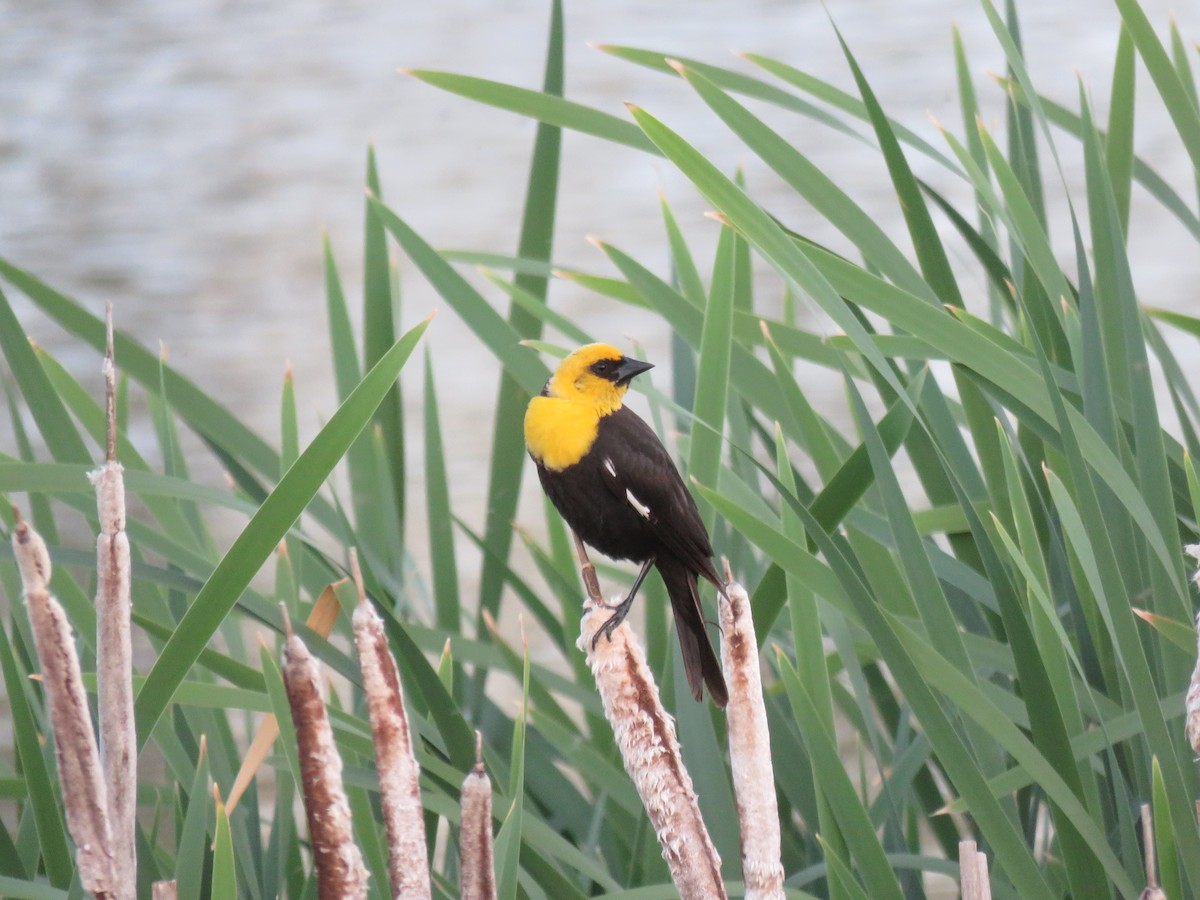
(639, 471)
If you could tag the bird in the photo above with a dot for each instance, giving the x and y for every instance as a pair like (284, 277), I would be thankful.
(615, 485)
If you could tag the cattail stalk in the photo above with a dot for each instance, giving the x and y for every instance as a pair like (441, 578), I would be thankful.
(74, 742)
(1150, 860)
(1191, 704)
(973, 872)
(395, 761)
(645, 735)
(341, 874)
(750, 748)
(114, 654)
(164, 890)
(477, 866)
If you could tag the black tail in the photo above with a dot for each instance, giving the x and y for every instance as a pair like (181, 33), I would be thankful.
(699, 659)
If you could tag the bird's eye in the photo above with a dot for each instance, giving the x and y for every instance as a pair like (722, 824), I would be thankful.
(603, 367)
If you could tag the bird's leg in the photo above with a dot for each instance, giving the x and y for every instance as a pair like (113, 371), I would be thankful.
(621, 610)
(587, 571)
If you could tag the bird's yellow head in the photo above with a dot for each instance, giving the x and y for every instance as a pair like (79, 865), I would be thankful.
(561, 425)
(596, 375)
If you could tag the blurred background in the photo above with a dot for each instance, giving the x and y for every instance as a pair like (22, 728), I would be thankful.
(182, 160)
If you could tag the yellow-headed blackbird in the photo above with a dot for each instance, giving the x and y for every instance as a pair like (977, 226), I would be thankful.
(614, 483)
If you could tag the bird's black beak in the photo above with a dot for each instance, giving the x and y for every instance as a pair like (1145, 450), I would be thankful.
(629, 369)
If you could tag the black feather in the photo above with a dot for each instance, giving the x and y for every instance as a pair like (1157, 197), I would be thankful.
(626, 499)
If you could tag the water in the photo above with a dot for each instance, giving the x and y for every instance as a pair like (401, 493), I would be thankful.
(182, 160)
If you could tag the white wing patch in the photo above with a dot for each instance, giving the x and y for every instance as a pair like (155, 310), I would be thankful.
(642, 508)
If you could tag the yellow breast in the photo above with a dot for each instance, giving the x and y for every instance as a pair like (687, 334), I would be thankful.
(558, 432)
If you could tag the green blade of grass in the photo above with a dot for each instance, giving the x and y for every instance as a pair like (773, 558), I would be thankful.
(931, 254)
(790, 556)
(1118, 146)
(47, 408)
(951, 680)
(916, 566)
(840, 875)
(1165, 847)
(342, 352)
(508, 839)
(447, 613)
(489, 326)
(170, 517)
(14, 889)
(814, 185)
(808, 638)
(370, 838)
(728, 80)
(1170, 87)
(1025, 225)
(683, 265)
(264, 531)
(507, 459)
(748, 375)
(839, 99)
(1098, 568)
(383, 513)
(537, 308)
(199, 410)
(224, 867)
(957, 760)
(538, 105)
(193, 846)
(764, 234)
(873, 866)
(712, 369)
(1155, 184)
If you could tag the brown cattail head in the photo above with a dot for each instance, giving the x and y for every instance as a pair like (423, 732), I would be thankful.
(750, 748)
(338, 861)
(1191, 704)
(114, 652)
(74, 741)
(477, 868)
(29, 550)
(395, 760)
(645, 735)
(973, 872)
(110, 386)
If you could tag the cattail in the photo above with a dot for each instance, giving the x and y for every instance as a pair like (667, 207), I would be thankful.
(973, 872)
(750, 748)
(1191, 704)
(1150, 861)
(645, 735)
(477, 867)
(114, 654)
(399, 774)
(341, 874)
(321, 619)
(75, 744)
